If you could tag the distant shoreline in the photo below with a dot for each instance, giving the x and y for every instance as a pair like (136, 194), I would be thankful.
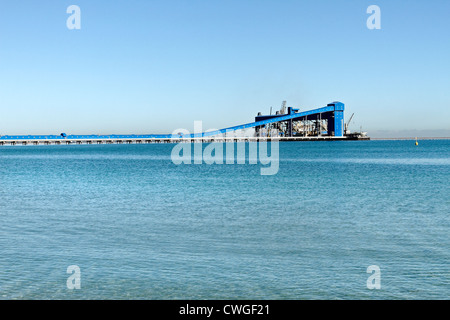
(413, 138)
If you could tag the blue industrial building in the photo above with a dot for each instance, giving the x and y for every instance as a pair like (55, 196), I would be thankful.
(328, 121)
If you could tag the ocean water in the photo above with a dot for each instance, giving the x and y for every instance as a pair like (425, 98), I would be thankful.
(140, 227)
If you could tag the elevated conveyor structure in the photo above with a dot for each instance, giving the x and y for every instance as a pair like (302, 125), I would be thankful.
(330, 117)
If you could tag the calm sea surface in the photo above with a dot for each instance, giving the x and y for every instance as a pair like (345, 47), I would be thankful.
(140, 227)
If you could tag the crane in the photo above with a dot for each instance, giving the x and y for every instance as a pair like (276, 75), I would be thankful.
(346, 131)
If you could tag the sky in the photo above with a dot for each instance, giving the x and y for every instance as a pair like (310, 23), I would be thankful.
(147, 66)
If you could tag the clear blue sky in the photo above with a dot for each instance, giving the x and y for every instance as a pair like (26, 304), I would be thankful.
(154, 66)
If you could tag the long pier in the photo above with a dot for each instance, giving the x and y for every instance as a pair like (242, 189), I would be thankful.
(31, 141)
(322, 124)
